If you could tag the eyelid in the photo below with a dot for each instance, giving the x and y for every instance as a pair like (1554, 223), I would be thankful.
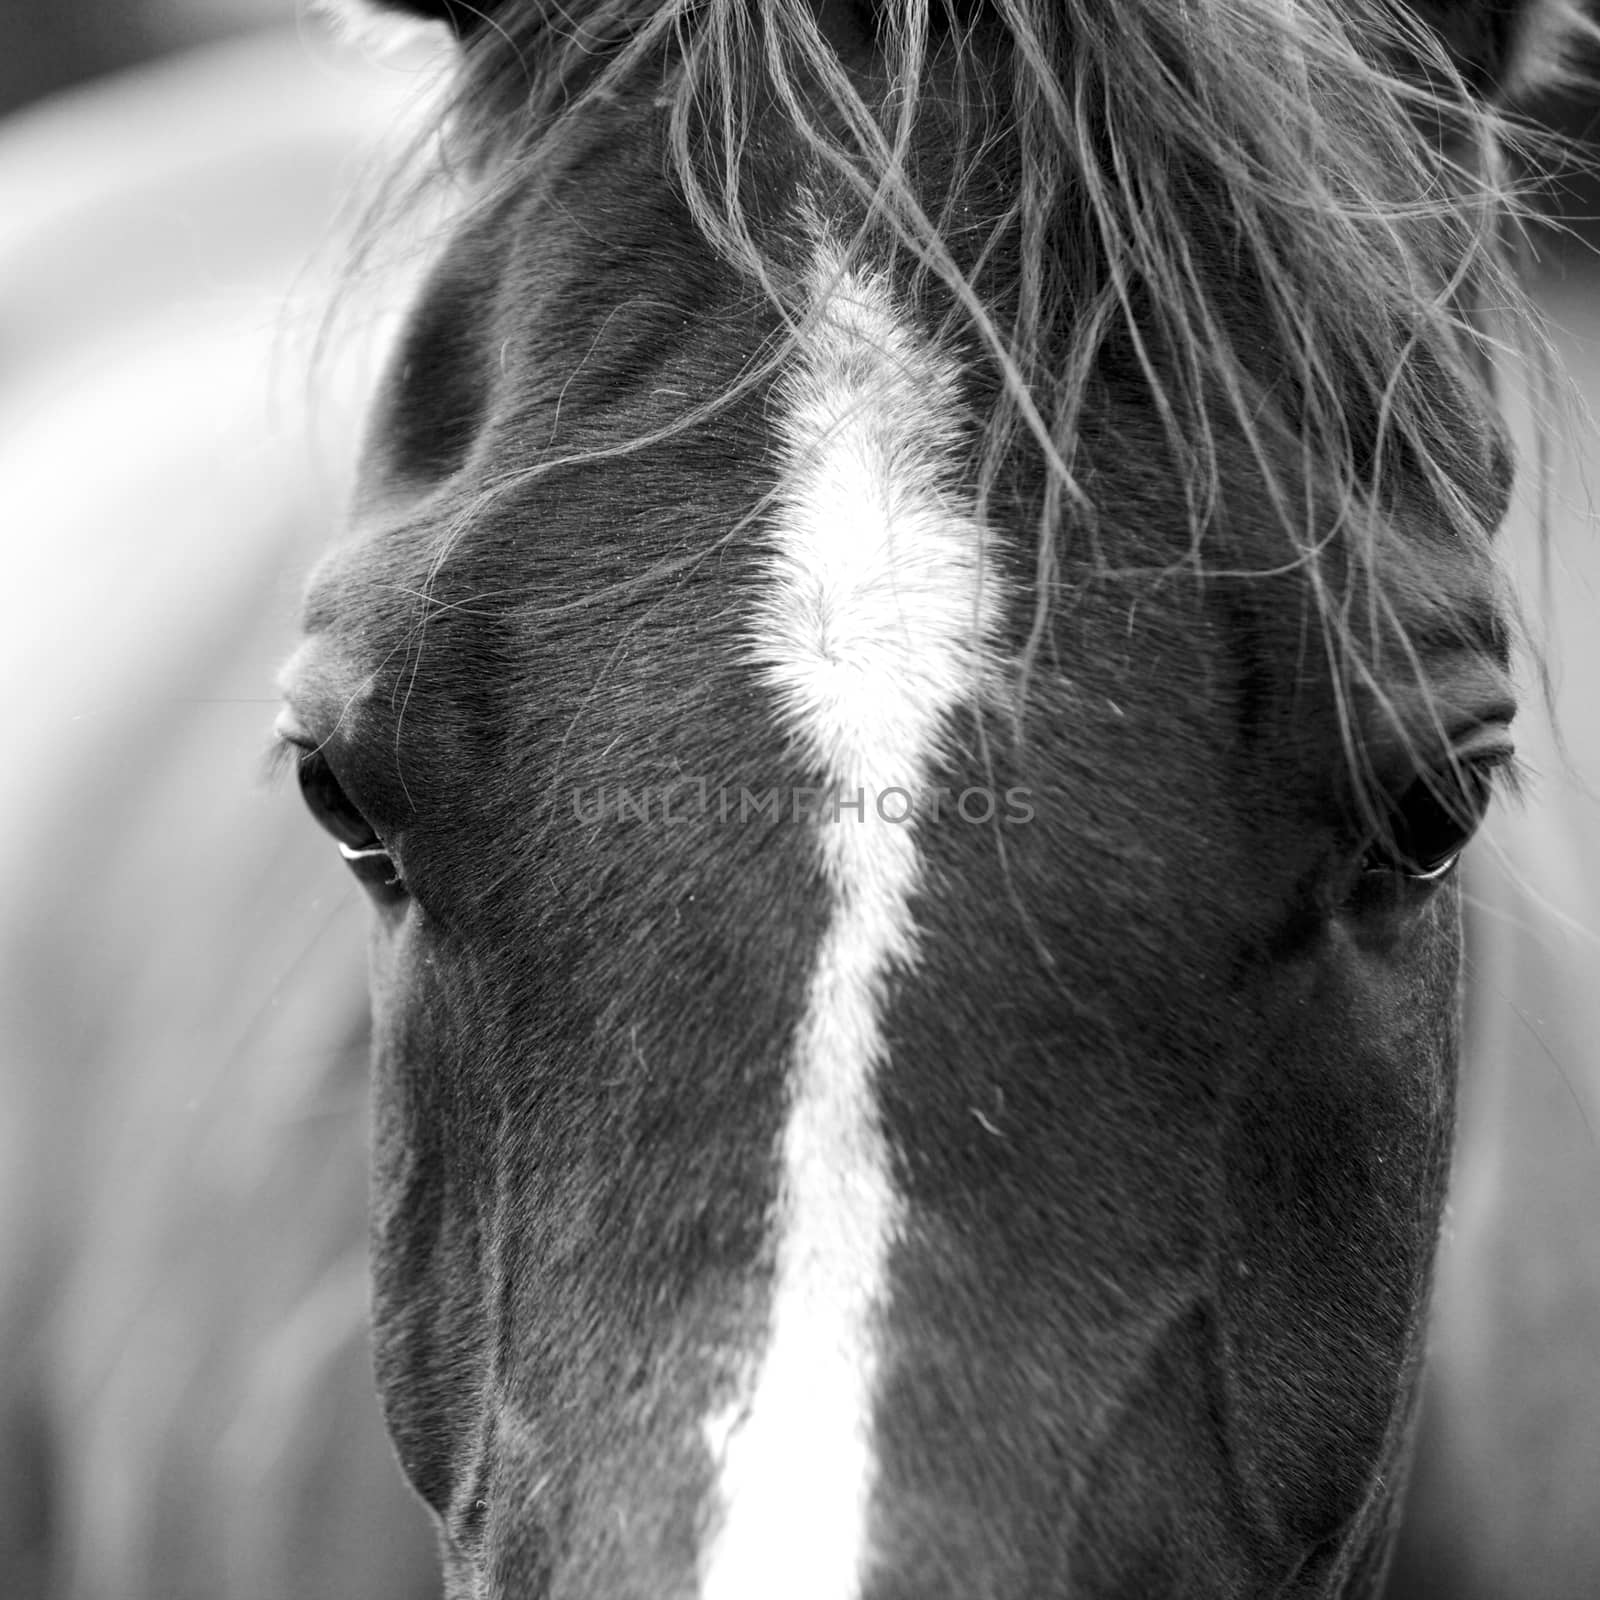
(289, 743)
(1492, 754)
(1488, 741)
(287, 729)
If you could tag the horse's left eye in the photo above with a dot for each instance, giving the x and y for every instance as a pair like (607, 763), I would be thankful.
(359, 842)
(1430, 823)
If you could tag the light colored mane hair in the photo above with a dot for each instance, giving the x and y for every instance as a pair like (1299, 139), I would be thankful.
(1362, 192)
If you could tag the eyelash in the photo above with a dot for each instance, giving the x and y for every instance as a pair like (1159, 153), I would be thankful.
(280, 761)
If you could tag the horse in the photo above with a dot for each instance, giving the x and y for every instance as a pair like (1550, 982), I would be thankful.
(919, 646)
(187, 1408)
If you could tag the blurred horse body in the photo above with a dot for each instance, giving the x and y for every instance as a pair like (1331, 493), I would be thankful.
(187, 1401)
(182, 1159)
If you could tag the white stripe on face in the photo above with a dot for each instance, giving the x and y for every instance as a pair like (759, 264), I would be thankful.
(872, 634)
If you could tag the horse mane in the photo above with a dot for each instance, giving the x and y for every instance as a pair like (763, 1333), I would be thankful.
(1330, 156)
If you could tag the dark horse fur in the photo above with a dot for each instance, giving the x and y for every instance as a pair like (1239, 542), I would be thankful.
(1164, 1079)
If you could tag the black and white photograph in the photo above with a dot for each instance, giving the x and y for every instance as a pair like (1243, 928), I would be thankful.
(803, 800)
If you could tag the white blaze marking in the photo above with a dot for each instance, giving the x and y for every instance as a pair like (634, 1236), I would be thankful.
(872, 634)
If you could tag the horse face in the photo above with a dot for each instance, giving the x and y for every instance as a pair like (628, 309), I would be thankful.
(900, 1066)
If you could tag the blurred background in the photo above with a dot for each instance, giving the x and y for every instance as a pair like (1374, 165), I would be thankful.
(46, 45)
(186, 1400)
(186, 1409)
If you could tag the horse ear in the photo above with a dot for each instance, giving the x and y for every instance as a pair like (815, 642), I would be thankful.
(1508, 49)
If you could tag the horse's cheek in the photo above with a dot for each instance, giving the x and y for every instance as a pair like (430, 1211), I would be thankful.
(426, 1252)
(1335, 1159)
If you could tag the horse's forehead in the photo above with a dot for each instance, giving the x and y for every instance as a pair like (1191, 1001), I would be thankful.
(543, 316)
